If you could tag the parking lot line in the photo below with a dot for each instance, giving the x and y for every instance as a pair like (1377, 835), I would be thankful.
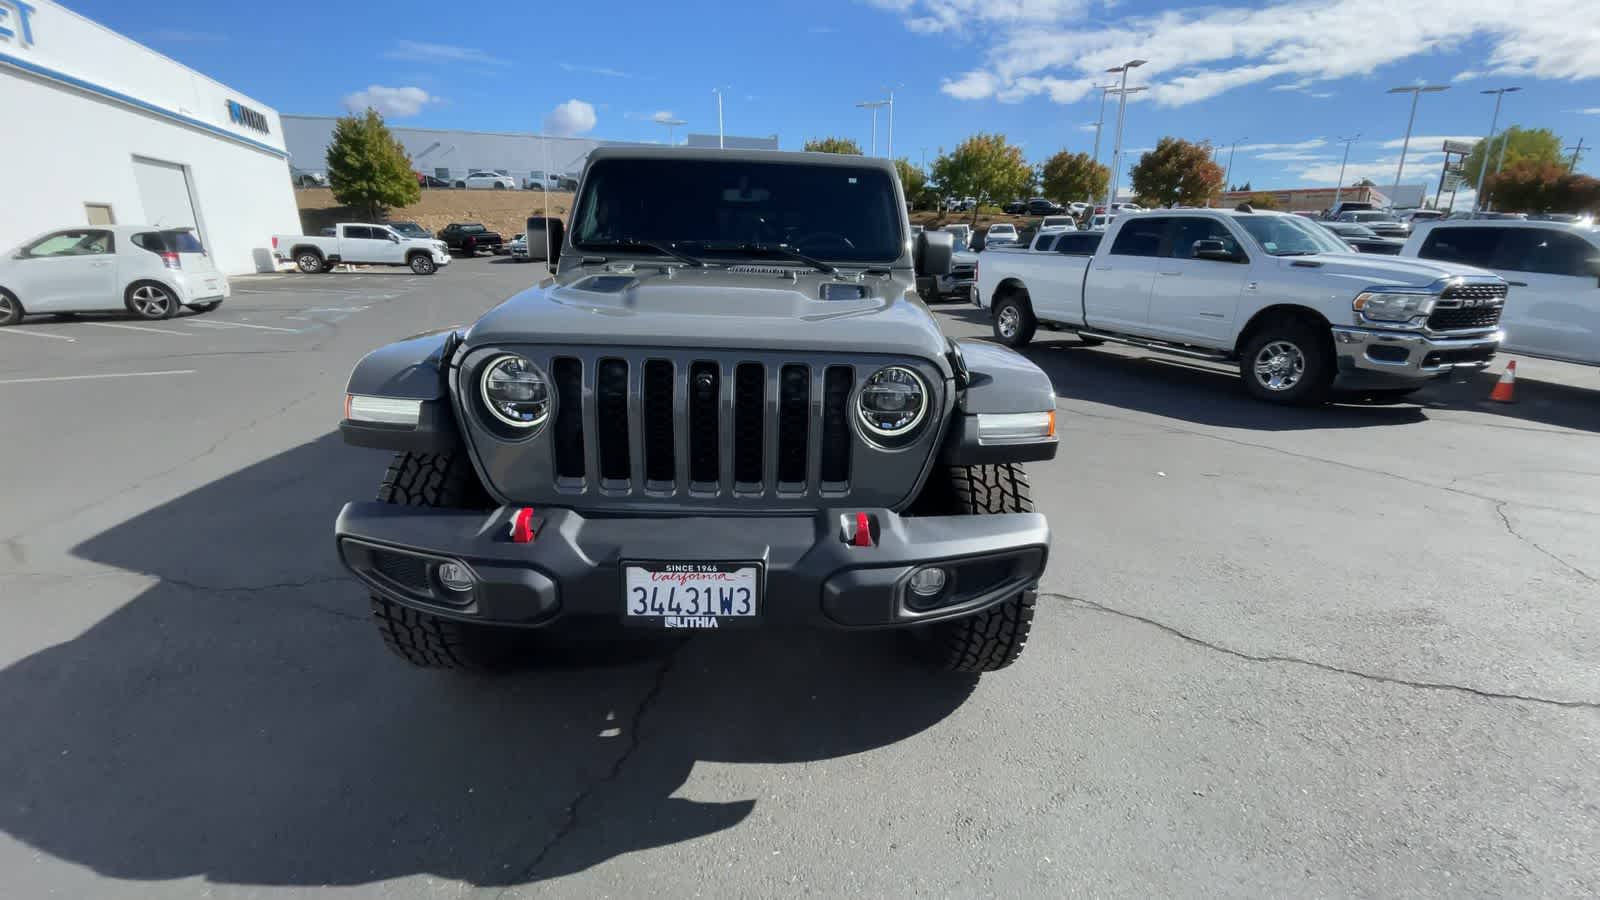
(43, 334)
(243, 325)
(140, 328)
(87, 377)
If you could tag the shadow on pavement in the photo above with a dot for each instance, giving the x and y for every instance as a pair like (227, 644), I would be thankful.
(241, 722)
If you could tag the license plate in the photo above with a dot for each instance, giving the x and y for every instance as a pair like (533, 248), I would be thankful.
(690, 595)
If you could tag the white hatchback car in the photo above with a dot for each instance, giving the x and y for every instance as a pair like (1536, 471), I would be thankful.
(148, 271)
(489, 181)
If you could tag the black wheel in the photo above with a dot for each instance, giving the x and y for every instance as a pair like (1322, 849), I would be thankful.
(422, 264)
(499, 186)
(149, 300)
(207, 306)
(309, 262)
(1288, 361)
(10, 308)
(1014, 323)
(994, 638)
(442, 480)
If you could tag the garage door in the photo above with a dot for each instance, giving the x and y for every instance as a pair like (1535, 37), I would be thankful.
(164, 188)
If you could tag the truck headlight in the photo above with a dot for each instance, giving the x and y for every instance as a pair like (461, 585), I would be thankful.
(892, 402)
(516, 392)
(1384, 307)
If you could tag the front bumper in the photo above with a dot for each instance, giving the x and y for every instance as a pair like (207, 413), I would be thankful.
(1398, 356)
(810, 573)
(442, 257)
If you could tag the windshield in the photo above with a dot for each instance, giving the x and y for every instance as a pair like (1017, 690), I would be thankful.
(1289, 235)
(736, 207)
(409, 229)
(1350, 229)
(1368, 217)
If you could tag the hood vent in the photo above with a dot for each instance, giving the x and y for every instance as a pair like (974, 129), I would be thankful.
(787, 271)
(833, 290)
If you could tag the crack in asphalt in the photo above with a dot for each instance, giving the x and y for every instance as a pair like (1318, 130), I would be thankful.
(1500, 510)
(1480, 693)
(570, 825)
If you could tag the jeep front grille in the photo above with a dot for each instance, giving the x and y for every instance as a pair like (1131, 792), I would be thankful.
(1468, 305)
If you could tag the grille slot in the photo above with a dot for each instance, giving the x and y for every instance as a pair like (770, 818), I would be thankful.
(836, 424)
(660, 465)
(749, 407)
(794, 419)
(405, 569)
(611, 419)
(705, 388)
(1451, 313)
(568, 437)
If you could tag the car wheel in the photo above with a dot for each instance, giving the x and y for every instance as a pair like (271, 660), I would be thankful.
(152, 301)
(1014, 323)
(422, 264)
(461, 184)
(207, 306)
(499, 186)
(10, 308)
(439, 480)
(309, 263)
(1288, 362)
(994, 638)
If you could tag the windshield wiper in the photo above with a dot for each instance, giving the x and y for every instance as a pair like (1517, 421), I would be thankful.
(665, 248)
(1296, 253)
(783, 251)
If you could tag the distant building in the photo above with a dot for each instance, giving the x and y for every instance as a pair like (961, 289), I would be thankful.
(1410, 196)
(734, 142)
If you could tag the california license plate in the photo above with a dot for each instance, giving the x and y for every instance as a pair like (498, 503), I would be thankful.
(690, 595)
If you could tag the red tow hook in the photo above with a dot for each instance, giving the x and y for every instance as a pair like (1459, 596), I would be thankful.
(863, 535)
(522, 526)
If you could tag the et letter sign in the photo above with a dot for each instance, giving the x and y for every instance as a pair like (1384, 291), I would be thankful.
(16, 23)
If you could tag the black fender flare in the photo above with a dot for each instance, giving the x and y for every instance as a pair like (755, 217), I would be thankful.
(998, 380)
(416, 368)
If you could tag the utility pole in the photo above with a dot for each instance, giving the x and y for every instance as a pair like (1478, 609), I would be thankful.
(720, 143)
(1416, 91)
(1494, 122)
(1105, 89)
(1576, 153)
(1234, 146)
(670, 124)
(873, 105)
(1122, 106)
(1339, 188)
(891, 122)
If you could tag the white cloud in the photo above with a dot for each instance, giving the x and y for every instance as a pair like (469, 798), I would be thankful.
(392, 102)
(1467, 75)
(593, 70)
(422, 51)
(1049, 47)
(1293, 155)
(1591, 111)
(570, 118)
(1428, 140)
(1311, 144)
(661, 116)
(1090, 127)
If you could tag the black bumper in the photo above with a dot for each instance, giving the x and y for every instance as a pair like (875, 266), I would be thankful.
(810, 573)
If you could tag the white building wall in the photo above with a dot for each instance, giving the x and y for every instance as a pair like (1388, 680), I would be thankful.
(460, 152)
(68, 143)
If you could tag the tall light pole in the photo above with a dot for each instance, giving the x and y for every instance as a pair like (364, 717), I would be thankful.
(1339, 187)
(1105, 90)
(890, 91)
(671, 124)
(873, 105)
(1122, 106)
(1494, 122)
(1416, 91)
(1228, 176)
(721, 145)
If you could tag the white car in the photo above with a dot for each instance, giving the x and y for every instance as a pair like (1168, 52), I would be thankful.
(489, 181)
(360, 243)
(1056, 223)
(149, 271)
(1000, 233)
(1553, 308)
(519, 247)
(1077, 207)
(1100, 221)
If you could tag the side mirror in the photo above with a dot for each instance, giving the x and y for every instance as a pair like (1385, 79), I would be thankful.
(1212, 249)
(394, 238)
(544, 232)
(934, 253)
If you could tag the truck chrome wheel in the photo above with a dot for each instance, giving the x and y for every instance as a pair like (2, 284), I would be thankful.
(1279, 366)
(1007, 322)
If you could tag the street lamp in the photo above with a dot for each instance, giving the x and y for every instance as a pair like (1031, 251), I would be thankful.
(1494, 122)
(1416, 91)
(1105, 89)
(1228, 176)
(670, 123)
(1339, 187)
(873, 105)
(1122, 106)
(720, 143)
(890, 91)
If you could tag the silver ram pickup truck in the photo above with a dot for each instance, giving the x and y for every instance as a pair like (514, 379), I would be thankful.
(728, 408)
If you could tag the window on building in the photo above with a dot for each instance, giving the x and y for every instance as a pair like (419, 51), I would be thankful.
(100, 214)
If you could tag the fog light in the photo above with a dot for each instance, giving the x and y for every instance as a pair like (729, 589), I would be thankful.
(928, 582)
(455, 577)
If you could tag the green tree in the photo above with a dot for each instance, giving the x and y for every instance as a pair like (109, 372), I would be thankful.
(1073, 176)
(1532, 186)
(833, 145)
(1264, 201)
(913, 181)
(368, 169)
(1366, 182)
(1537, 145)
(983, 166)
(1177, 171)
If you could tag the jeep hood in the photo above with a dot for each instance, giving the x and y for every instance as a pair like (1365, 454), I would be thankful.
(776, 308)
(1389, 271)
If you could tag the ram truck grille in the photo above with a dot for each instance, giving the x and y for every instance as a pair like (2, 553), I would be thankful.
(1470, 305)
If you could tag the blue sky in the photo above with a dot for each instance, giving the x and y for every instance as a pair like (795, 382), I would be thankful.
(1284, 79)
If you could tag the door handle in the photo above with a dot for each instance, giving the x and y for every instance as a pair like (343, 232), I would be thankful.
(1517, 283)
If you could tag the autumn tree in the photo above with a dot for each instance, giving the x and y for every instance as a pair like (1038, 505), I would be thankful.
(367, 168)
(1536, 145)
(1532, 186)
(1264, 201)
(1177, 171)
(984, 166)
(1073, 176)
(833, 145)
(913, 181)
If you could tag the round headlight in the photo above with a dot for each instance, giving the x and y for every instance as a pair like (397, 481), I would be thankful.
(892, 402)
(516, 392)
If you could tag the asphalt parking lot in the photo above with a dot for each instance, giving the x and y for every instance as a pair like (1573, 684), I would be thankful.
(1343, 651)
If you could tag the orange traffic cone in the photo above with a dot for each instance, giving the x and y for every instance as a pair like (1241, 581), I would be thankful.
(1506, 388)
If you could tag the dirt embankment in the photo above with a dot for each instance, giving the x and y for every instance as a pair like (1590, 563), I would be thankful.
(503, 211)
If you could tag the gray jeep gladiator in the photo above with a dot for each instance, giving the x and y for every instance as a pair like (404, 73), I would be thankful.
(727, 407)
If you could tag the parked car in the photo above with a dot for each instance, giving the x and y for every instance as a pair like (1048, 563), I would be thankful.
(962, 233)
(360, 243)
(1344, 206)
(1039, 206)
(1415, 217)
(1363, 239)
(1077, 208)
(1271, 293)
(1000, 233)
(151, 272)
(605, 446)
(1553, 310)
(1015, 207)
(308, 179)
(518, 248)
(430, 181)
(485, 181)
(1382, 224)
(1099, 222)
(1056, 223)
(960, 281)
(468, 238)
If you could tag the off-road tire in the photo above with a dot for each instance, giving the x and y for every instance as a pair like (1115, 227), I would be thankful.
(992, 639)
(1014, 324)
(438, 480)
(1316, 347)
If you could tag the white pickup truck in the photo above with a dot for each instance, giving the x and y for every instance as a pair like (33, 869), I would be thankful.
(360, 243)
(1278, 296)
(1553, 311)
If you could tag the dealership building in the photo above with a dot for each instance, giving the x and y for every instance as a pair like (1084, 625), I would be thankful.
(102, 130)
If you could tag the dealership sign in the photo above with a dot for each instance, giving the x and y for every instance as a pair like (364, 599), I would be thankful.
(16, 23)
(239, 114)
